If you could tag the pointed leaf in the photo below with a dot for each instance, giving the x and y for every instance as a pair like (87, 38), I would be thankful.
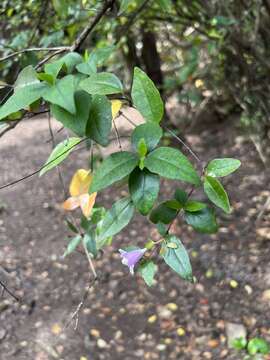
(222, 167)
(102, 84)
(72, 245)
(194, 206)
(150, 132)
(146, 97)
(116, 218)
(164, 213)
(77, 122)
(27, 90)
(114, 168)
(172, 164)
(59, 153)
(216, 193)
(143, 188)
(177, 257)
(203, 221)
(148, 269)
(99, 124)
(62, 93)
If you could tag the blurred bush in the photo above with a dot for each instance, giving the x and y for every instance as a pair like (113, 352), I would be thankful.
(210, 54)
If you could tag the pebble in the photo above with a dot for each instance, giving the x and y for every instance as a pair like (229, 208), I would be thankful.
(235, 331)
(102, 344)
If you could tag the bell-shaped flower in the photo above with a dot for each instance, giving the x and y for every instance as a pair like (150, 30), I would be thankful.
(78, 189)
(131, 258)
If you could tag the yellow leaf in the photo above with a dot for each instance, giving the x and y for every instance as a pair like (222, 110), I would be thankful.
(86, 203)
(83, 358)
(56, 329)
(116, 106)
(181, 331)
(80, 182)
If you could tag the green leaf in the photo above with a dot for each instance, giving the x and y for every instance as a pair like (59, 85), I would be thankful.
(150, 132)
(62, 93)
(143, 188)
(116, 218)
(222, 167)
(90, 243)
(181, 196)
(124, 4)
(258, 346)
(172, 164)
(164, 4)
(88, 67)
(69, 60)
(59, 153)
(102, 84)
(114, 168)
(77, 122)
(99, 124)
(194, 206)
(216, 193)
(239, 343)
(203, 221)
(164, 213)
(100, 55)
(177, 257)
(142, 148)
(72, 245)
(148, 269)
(46, 77)
(27, 90)
(146, 98)
(72, 227)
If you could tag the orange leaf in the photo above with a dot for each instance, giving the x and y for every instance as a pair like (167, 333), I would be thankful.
(71, 203)
(86, 203)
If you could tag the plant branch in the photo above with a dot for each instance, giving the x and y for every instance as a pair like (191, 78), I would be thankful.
(33, 49)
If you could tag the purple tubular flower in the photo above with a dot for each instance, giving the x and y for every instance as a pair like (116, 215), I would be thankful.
(131, 258)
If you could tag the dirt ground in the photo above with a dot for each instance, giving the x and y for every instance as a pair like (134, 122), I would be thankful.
(123, 319)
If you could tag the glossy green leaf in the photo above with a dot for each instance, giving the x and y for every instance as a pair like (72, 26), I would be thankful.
(62, 93)
(114, 168)
(216, 193)
(117, 218)
(143, 188)
(177, 257)
(72, 245)
(222, 167)
(99, 124)
(172, 164)
(102, 84)
(147, 270)
(59, 154)
(146, 98)
(77, 122)
(181, 196)
(150, 132)
(142, 148)
(164, 213)
(27, 90)
(194, 206)
(203, 221)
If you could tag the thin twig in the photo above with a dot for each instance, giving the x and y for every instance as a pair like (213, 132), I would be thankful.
(117, 136)
(33, 49)
(6, 289)
(40, 168)
(196, 157)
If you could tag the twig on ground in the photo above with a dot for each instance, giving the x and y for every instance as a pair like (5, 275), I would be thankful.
(6, 289)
